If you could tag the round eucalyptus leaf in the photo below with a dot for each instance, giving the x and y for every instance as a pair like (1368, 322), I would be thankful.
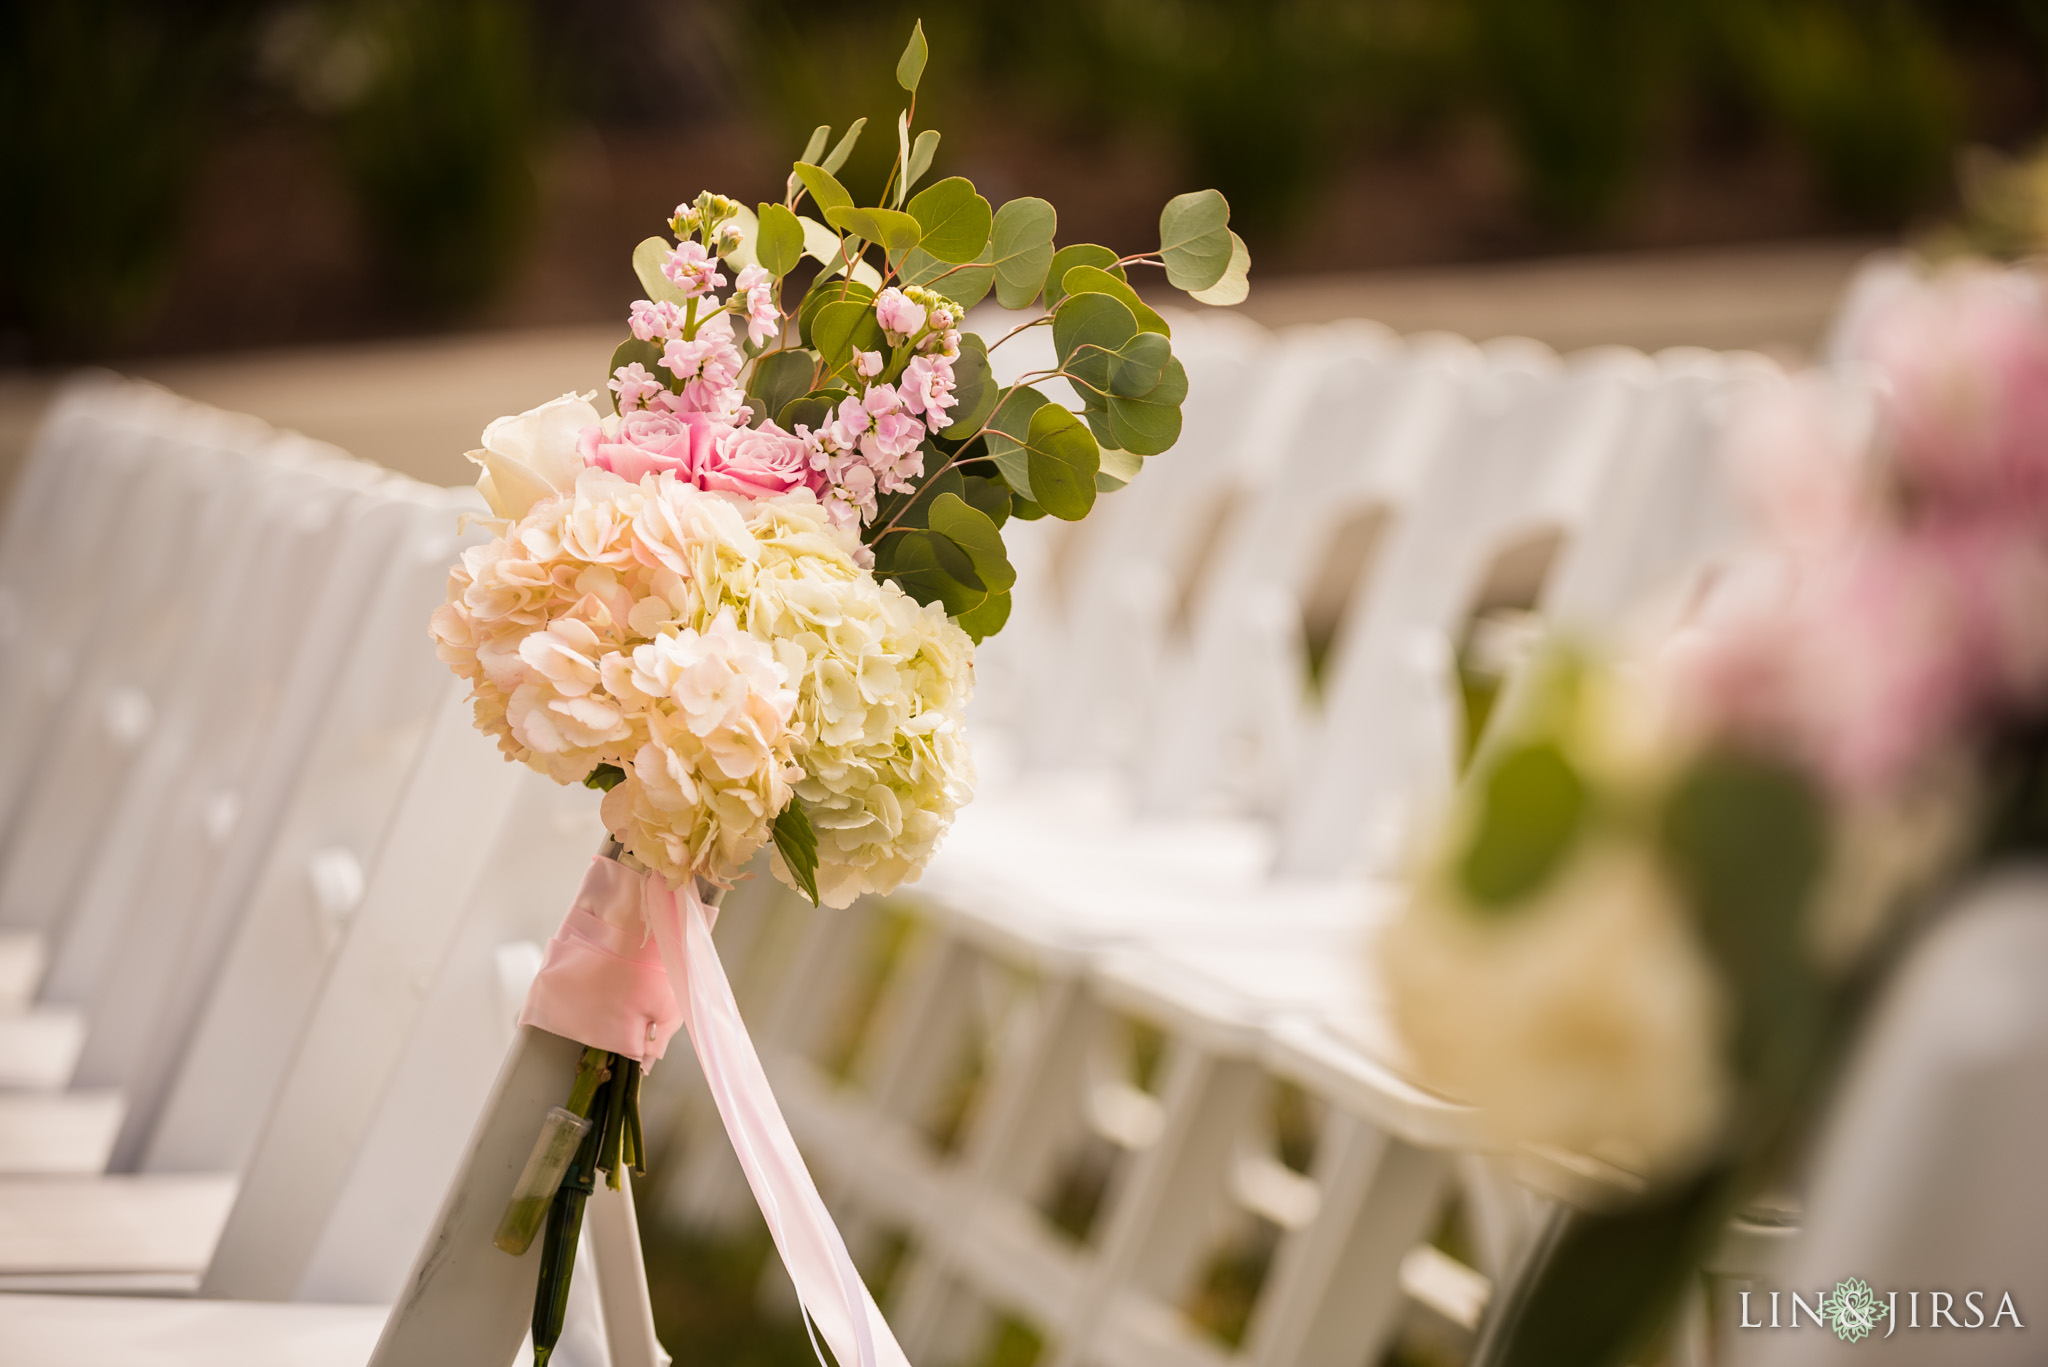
(1194, 239)
(779, 378)
(910, 66)
(647, 262)
(955, 220)
(825, 188)
(1070, 256)
(1095, 280)
(1235, 286)
(1086, 331)
(974, 387)
(778, 240)
(1021, 236)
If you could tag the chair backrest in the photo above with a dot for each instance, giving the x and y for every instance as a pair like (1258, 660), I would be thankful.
(371, 1002)
(196, 1104)
(1342, 452)
(82, 472)
(189, 521)
(180, 799)
(1528, 457)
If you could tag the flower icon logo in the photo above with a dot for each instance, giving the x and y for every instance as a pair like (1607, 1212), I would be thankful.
(1853, 1310)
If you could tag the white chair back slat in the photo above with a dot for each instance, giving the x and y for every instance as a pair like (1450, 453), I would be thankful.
(211, 703)
(188, 520)
(370, 1005)
(1531, 451)
(199, 1110)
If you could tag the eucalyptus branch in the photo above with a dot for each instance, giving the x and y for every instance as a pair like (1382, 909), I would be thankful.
(1044, 320)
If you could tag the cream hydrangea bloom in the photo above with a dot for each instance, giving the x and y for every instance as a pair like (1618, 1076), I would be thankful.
(1586, 1018)
(882, 686)
(720, 652)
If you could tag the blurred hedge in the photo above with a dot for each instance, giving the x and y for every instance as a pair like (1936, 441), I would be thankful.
(434, 110)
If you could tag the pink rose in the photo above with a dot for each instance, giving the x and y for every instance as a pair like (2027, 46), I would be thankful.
(758, 462)
(645, 442)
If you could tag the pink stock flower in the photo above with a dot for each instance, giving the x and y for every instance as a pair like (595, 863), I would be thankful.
(867, 364)
(650, 321)
(644, 442)
(692, 270)
(1966, 355)
(637, 387)
(1800, 458)
(757, 288)
(898, 314)
(708, 366)
(927, 389)
(758, 462)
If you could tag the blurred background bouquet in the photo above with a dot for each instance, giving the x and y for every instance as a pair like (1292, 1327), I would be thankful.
(1646, 932)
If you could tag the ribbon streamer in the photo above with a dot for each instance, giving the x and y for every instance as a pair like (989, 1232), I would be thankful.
(593, 987)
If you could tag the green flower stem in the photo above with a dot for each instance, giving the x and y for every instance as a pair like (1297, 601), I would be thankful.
(599, 1094)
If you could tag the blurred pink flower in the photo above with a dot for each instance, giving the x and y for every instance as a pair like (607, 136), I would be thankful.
(649, 320)
(636, 387)
(1966, 356)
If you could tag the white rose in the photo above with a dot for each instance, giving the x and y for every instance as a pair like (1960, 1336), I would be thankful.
(533, 456)
(1587, 1018)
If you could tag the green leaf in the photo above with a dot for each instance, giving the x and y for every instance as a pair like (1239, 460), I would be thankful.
(955, 220)
(812, 410)
(974, 387)
(1235, 285)
(843, 327)
(647, 262)
(1151, 424)
(1139, 365)
(779, 240)
(821, 244)
(797, 843)
(604, 777)
(976, 533)
(1072, 255)
(897, 231)
(964, 285)
(1095, 280)
(1531, 808)
(627, 353)
(910, 66)
(1194, 239)
(844, 150)
(742, 254)
(1118, 469)
(992, 496)
(921, 153)
(1021, 236)
(826, 190)
(930, 568)
(824, 290)
(986, 620)
(1008, 428)
(1087, 330)
(1023, 509)
(1746, 840)
(779, 378)
(816, 145)
(1059, 457)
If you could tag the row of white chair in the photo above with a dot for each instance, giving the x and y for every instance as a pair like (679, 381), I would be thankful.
(1193, 839)
(291, 902)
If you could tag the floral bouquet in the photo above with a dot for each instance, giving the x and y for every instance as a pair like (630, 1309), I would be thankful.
(1646, 932)
(740, 595)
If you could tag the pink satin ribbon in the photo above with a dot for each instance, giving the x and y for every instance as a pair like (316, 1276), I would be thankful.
(593, 988)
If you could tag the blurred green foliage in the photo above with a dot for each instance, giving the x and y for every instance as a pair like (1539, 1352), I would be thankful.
(104, 110)
(437, 108)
